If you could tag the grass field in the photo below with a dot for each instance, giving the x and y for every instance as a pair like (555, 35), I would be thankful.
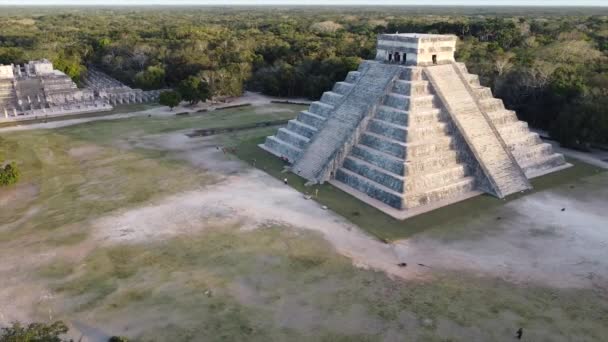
(225, 283)
(87, 169)
(383, 226)
(276, 284)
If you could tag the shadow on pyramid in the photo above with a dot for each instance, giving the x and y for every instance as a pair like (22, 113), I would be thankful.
(412, 131)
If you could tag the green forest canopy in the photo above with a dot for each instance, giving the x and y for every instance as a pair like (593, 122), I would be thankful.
(550, 66)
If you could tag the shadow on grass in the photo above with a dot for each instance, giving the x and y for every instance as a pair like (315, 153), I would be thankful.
(383, 226)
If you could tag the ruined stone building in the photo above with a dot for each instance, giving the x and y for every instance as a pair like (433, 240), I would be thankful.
(36, 89)
(411, 131)
(113, 91)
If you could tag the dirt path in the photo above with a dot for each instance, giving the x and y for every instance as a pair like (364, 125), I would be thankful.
(520, 246)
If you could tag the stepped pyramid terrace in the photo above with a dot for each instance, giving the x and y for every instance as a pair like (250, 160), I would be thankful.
(412, 131)
(37, 89)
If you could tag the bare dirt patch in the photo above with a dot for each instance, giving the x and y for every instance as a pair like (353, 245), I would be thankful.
(530, 240)
(19, 195)
(203, 152)
(520, 248)
(85, 152)
(516, 242)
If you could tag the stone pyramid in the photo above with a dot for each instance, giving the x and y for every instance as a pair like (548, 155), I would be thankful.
(412, 131)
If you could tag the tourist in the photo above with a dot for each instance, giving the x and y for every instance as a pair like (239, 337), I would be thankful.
(519, 333)
(285, 181)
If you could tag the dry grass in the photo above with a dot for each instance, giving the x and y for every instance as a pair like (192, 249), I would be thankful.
(277, 283)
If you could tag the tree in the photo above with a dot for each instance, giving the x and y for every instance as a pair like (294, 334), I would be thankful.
(152, 78)
(34, 332)
(11, 55)
(70, 65)
(194, 89)
(170, 98)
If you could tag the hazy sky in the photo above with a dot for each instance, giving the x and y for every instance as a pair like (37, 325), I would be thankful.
(313, 2)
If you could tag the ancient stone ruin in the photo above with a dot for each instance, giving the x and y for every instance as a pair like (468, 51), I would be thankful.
(36, 89)
(411, 131)
(114, 92)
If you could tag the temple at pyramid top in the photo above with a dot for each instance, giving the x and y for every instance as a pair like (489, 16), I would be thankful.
(416, 49)
(413, 130)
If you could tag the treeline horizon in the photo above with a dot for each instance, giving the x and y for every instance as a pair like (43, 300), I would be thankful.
(551, 68)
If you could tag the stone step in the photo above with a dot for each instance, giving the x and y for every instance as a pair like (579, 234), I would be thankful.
(412, 74)
(436, 161)
(331, 98)
(342, 88)
(398, 101)
(392, 115)
(320, 108)
(370, 188)
(301, 128)
(374, 173)
(383, 160)
(437, 179)
(460, 187)
(528, 154)
(292, 138)
(411, 88)
(405, 102)
(415, 149)
(483, 93)
(547, 162)
(425, 148)
(393, 131)
(422, 103)
(384, 144)
(430, 131)
(513, 129)
(282, 149)
(502, 117)
(463, 67)
(411, 133)
(473, 79)
(311, 119)
(427, 117)
(523, 141)
(491, 105)
(352, 76)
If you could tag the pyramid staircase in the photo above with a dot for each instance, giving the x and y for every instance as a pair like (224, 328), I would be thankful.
(495, 159)
(291, 140)
(534, 157)
(413, 136)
